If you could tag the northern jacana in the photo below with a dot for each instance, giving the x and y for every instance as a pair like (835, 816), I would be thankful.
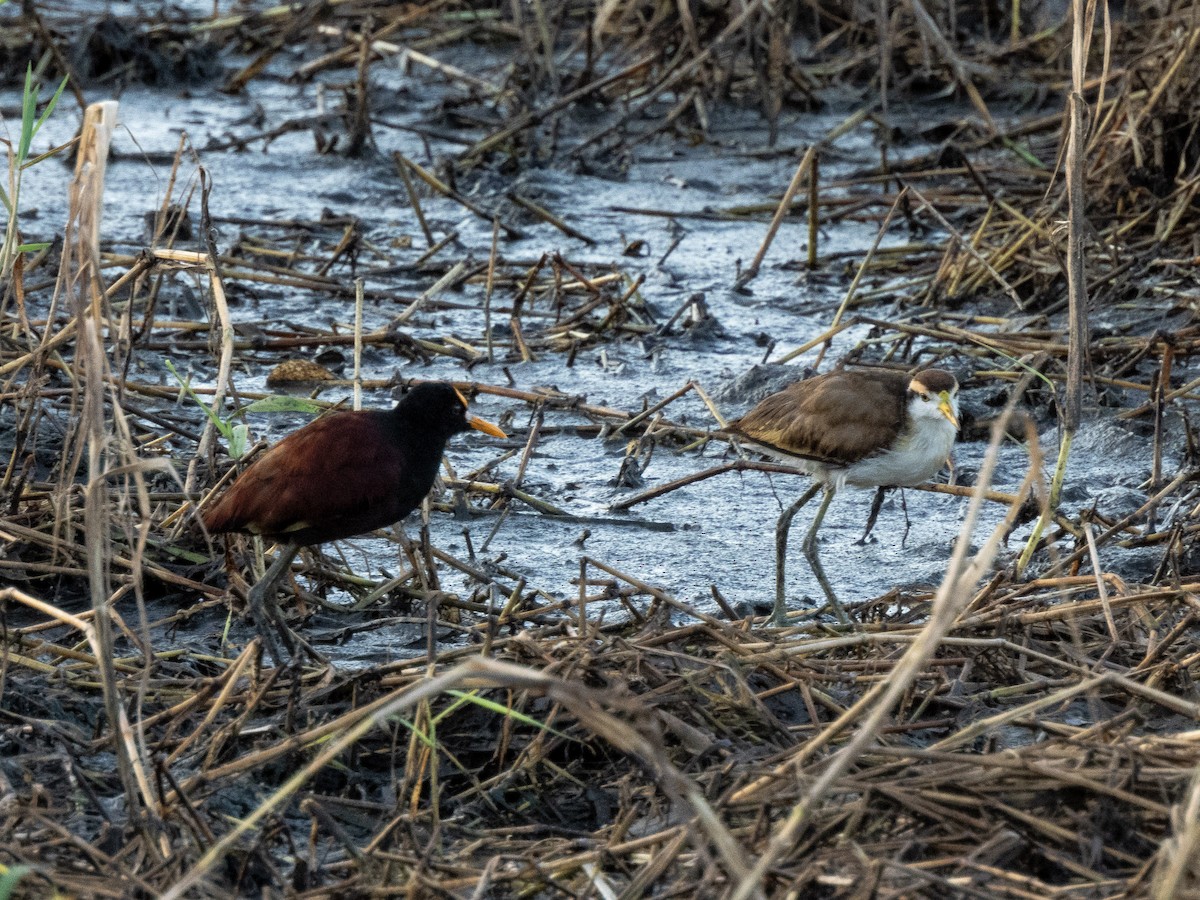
(862, 428)
(341, 475)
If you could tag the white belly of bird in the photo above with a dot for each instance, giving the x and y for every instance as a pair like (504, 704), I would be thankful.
(918, 455)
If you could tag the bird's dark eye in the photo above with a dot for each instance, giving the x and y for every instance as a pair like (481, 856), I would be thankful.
(926, 397)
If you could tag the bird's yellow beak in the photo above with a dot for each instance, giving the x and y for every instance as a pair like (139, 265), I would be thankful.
(946, 409)
(485, 426)
(480, 424)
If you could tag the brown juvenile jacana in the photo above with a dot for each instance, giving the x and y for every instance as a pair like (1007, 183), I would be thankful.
(863, 428)
(344, 474)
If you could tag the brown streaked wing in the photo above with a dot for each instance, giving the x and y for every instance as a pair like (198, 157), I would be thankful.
(840, 417)
(328, 468)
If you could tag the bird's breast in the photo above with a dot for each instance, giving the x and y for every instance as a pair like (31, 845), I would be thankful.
(917, 456)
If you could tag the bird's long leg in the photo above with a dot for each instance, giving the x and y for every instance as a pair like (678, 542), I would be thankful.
(876, 506)
(814, 561)
(268, 618)
(782, 527)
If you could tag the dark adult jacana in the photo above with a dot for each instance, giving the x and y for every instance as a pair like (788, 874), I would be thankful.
(344, 474)
(862, 428)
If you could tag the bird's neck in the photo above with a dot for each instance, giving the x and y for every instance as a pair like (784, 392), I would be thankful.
(422, 445)
(925, 446)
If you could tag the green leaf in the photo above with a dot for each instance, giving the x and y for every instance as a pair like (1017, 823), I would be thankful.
(282, 403)
(31, 122)
(33, 248)
(50, 106)
(28, 112)
(239, 440)
(9, 879)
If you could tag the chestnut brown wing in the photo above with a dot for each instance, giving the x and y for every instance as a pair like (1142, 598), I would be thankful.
(838, 418)
(337, 476)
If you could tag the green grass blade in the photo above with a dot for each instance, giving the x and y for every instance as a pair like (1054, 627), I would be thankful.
(50, 106)
(220, 424)
(31, 122)
(28, 114)
(501, 709)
